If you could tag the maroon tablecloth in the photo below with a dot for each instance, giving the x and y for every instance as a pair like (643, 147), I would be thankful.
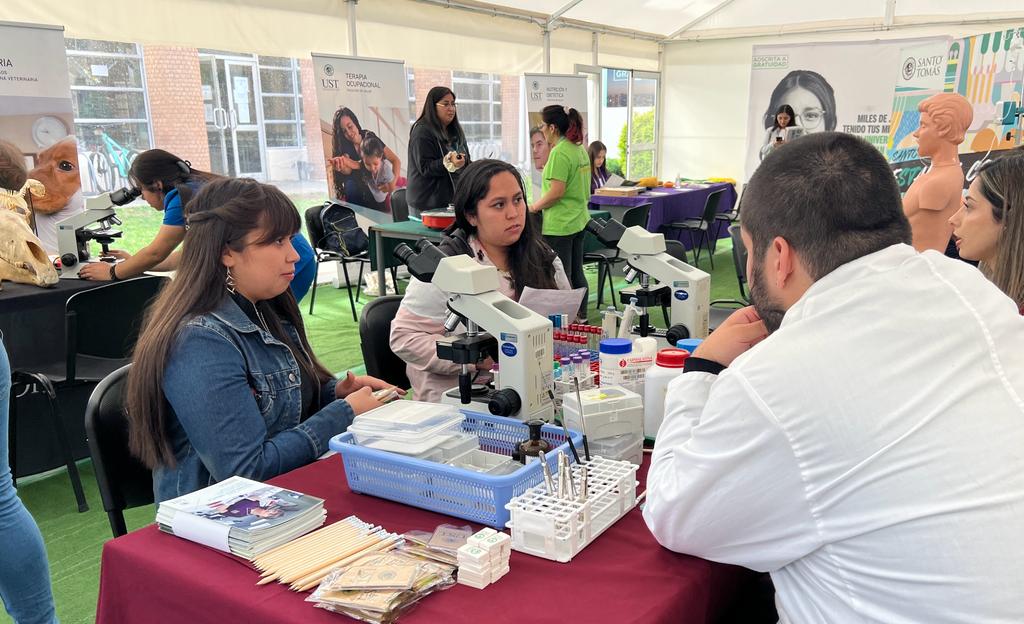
(669, 205)
(624, 576)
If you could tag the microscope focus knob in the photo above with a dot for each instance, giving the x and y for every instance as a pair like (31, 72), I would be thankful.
(505, 402)
(676, 333)
(68, 260)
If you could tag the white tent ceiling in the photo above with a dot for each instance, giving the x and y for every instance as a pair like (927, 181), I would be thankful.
(689, 19)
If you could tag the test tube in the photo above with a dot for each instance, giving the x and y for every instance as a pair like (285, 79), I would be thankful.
(577, 367)
(566, 362)
(558, 372)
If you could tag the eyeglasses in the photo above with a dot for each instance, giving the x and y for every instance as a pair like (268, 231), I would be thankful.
(447, 104)
(811, 118)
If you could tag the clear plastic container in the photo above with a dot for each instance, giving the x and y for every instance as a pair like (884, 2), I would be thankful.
(410, 428)
(485, 462)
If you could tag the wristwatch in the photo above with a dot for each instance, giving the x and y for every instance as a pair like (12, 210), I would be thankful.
(113, 274)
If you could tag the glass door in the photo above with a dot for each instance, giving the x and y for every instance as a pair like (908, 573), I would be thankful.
(234, 128)
(216, 113)
(244, 118)
(643, 125)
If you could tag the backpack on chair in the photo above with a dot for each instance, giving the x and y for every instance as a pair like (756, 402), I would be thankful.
(342, 233)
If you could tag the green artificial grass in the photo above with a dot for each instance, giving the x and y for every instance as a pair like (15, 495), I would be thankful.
(74, 541)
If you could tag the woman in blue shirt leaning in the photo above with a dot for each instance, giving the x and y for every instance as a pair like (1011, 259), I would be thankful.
(224, 381)
(167, 183)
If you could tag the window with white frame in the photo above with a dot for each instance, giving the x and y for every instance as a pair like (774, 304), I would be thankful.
(410, 76)
(479, 100)
(281, 90)
(108, 94)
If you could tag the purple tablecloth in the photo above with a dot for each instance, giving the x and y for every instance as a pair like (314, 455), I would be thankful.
(670, 205)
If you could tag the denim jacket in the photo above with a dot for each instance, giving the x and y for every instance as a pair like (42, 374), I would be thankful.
(236, 399)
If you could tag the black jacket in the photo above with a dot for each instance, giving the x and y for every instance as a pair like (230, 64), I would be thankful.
(430, 186)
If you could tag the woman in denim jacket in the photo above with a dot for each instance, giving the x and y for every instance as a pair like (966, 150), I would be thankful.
(224, 381)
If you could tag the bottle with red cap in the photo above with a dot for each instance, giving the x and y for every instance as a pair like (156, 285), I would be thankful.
(668, 365)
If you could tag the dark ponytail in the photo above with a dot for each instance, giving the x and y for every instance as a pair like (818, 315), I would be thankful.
(568, 121)
(157, 165)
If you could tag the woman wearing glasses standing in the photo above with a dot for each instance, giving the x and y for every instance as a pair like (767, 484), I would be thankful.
(437, 153)
(989, 227)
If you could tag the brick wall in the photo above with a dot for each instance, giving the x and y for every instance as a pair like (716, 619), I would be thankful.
(176, 103)
(311, 115)
(510, 129)
(425, 80)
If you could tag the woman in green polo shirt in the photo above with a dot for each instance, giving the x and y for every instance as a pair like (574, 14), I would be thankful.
(565, 189)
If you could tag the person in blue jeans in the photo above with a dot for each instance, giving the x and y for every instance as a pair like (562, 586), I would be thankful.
(24, 571)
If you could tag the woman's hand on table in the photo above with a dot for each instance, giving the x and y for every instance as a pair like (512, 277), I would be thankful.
(96, 271)
(353, 383)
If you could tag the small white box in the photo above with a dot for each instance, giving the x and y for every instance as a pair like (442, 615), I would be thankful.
(471, 554)
(610, 413)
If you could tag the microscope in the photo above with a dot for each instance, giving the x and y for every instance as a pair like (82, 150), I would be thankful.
(517, 338)
(75, 232)
(688, 288)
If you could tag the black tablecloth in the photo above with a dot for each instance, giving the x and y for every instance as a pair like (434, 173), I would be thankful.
(32, 323)
(32, 320)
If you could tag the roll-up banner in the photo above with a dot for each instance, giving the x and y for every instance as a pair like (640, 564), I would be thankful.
(37, 123)
(543, 90)
(364, 122)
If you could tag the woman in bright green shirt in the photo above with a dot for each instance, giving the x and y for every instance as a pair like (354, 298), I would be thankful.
(565, 191)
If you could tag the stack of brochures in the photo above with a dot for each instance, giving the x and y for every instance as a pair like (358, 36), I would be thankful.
(241, 516)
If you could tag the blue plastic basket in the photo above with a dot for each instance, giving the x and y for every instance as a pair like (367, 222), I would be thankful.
(446, 489)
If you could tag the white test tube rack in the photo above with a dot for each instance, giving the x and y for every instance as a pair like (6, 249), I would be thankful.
(546, 526)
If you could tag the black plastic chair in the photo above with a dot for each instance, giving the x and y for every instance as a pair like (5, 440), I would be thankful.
(101, 326)
(317, 236)
(375, 341)
(704, 226)
(399, 206)
(721, 308)
(607, 258)
(727, 218)
(124, 482)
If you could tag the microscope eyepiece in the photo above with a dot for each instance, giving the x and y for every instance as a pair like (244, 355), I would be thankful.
(595, 226)
(404, 252)
(124, 195)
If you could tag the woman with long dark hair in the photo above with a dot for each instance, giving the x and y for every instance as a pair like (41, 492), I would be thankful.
(224, 381)
(437, 152)
(566, 191)
(780, 131)
(491, 210)
(167, 183)
(598, 165)
(346, 161)
(989, 226)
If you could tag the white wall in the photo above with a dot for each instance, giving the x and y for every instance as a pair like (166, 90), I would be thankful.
(706, 93)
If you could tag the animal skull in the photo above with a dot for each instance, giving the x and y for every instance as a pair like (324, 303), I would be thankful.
(22, 257)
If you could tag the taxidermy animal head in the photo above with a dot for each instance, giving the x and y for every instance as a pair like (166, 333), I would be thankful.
(22, 257)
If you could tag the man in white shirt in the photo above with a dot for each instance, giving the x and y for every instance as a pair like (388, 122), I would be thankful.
(865, 444)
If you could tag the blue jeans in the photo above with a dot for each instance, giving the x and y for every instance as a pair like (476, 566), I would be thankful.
(24, 571)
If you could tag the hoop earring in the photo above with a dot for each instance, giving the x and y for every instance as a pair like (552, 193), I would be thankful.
(229, 282)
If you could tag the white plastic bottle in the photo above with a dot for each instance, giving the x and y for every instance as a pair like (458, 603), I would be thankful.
(667, 366)
(614, 352)
(642, 358)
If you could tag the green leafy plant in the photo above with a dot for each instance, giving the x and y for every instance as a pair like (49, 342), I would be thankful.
(639, 164)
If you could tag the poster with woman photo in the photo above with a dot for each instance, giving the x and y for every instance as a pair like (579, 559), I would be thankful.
(820, 87)
(544, 90)
(364, 122)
